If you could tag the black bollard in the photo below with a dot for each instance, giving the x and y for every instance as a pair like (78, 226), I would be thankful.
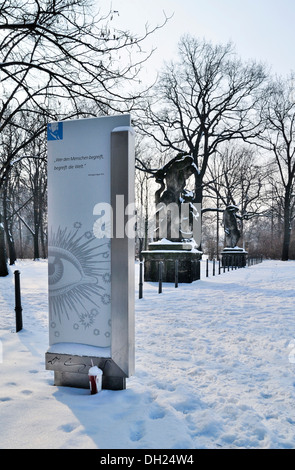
(176, 273)
(140, 286)
(160, 276)
(18, 308)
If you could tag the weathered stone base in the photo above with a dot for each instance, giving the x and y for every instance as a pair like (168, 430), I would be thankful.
(72, 371)
(236, 257)
(188, 262)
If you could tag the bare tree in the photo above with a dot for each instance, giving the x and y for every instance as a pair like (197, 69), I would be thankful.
(61, 59)
(206, 98)
(235, 177)
(279, 138)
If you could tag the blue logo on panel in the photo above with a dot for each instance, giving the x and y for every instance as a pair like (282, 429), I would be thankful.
(55, 131)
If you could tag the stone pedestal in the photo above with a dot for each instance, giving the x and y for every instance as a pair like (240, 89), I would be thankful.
(234, 257)
(185, 254)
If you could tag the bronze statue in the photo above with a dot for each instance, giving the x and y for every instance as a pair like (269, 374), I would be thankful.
(172, 192)
(231, 226)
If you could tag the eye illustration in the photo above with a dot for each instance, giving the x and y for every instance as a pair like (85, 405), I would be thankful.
(78, 277)
(65, 271)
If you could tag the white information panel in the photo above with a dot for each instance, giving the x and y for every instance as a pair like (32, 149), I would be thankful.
(79, 238)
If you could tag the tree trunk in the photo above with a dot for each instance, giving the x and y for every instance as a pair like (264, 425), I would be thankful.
(42, 239)
(8, 230)
(11, 245)
(36, 241)
(36, 203)
(287, 229)
(3, 257)
(198, 189)
(199, 197)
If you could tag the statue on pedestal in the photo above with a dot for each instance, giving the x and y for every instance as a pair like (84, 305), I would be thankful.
(176, 218)
(232, 255)
(231, 226)
(172, 194)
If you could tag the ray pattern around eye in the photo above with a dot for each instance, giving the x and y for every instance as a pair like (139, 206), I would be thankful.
(79, 281)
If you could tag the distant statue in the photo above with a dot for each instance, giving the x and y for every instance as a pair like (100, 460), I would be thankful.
(172, 192)
(231, 226)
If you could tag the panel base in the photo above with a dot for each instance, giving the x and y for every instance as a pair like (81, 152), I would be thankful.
(72, 371)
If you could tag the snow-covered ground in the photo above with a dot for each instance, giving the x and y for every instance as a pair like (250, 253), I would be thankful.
(215, 368)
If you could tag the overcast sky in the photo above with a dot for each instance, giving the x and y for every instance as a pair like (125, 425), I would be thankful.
(260, 29)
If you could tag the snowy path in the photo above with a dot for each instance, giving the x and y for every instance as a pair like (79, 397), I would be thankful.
(214, 369)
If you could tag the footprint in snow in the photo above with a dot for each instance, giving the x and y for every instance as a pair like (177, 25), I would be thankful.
(156, 412)
(137, 431)
(68, 427)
